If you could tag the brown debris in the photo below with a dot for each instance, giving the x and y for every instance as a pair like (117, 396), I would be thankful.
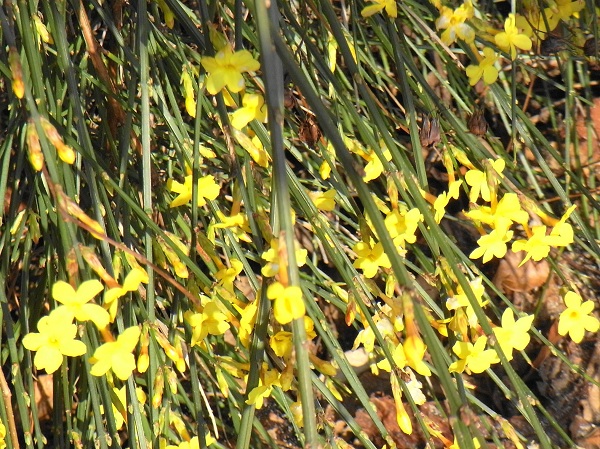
(510, 277)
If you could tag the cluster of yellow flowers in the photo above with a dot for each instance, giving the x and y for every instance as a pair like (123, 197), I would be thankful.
(56, 336)
(225, 75)
(498, 220)
(464, 22)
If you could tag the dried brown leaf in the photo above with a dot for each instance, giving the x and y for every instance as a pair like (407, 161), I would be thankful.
(510, 277)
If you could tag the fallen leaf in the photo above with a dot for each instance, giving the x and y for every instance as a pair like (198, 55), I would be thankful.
(510, 277)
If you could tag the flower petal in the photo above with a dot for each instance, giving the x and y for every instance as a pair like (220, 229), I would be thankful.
(73, 348)
(48, 358)
(34, 341)
(63, 292)
(124, 366)
(88, 289)
(95, 313)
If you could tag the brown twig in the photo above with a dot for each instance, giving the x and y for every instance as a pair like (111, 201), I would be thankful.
(116, 115)
(10, 415)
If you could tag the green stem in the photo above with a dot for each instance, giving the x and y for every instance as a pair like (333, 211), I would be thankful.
(267, 16)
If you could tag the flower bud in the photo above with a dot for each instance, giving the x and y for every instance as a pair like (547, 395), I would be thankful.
(144, 359)
(16, 70)
(159, 386)
(36, 157)
(65, 152)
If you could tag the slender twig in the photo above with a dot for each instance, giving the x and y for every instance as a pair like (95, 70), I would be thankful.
(7, 396)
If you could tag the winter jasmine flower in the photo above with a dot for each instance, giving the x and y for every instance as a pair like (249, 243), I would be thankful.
(511, 38)
(576, 319)
(485, 69)
(54, 340)
(288, 302)
(492, 245)
(226, 69)
(479, 182)
(210, 321)
(453, 22)
(379, 5)
(370, 258)
(253, 108)
(513, 334)
(76, 302)
(324, 201)
(207, 189)
(117, 355)
(473, 357)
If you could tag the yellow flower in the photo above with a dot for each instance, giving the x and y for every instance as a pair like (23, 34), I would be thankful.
(271, 256)
(258, 394)
(537, 246)
(379, 5)
(479, 182)
(76, 302)
(226, 276)
(453, 23)
(366, 337)
(253, 109)
(485, 69)
(374, 167)
(562, 232)
(441, 201)
(402, 417)
(513, 334)
(226, 68)
(210, 321)
(511, 38)
(399, 359)
(473, 358)
(402, 225)
(117, 355)
(460, 300)
(269, 379)
(207, 189)
(237, 223)
(559, 10)
(439, 206)
(55, 339)
(253, 146)
(309, 327)
(281, 343)
(247, 320)
(130, 284)
(576, 319)
(507, 210)
(324, 201)
(296, 409)
(289, 304)
(414, 350)
(370, 258)
(492, 245)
